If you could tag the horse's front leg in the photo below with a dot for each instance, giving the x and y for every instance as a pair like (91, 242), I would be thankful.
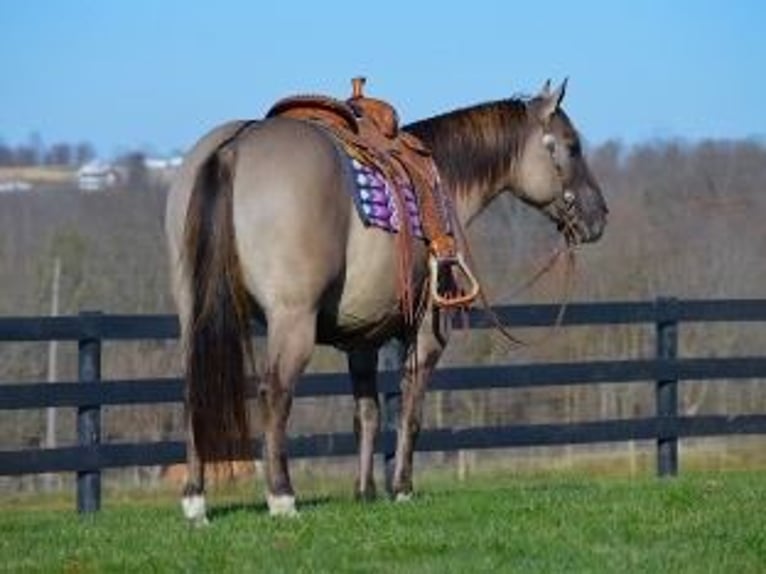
(430, 342)
(363, 367)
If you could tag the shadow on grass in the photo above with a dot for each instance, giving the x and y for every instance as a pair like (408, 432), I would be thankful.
(221, 512)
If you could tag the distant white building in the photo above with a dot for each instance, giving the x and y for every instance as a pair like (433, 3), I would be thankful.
(14, 185)
(97, 176)
(163, 163)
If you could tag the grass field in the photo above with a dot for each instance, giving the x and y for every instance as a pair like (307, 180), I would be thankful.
(38, 174)
(696, 523)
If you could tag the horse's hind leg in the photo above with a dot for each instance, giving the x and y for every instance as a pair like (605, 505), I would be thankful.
(193, 496)
(291, 336)
(193, 501)
(363, 366)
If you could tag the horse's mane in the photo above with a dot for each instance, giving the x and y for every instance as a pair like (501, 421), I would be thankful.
(475, 144)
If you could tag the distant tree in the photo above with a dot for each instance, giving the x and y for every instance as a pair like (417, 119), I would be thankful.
(35, 152)
(25, 156)
(59, 154)
(6, 154)
(134, 164)
(38, 148)
(83, 153)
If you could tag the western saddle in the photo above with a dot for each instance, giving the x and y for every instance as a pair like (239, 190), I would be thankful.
(369, 128)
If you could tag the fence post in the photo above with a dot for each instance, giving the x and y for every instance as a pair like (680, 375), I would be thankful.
(89, 416)
(666, 390)
(390, 360)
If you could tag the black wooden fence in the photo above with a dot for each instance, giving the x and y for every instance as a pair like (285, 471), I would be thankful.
(666, 369)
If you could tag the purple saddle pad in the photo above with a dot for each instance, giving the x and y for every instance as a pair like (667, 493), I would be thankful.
(376, 204)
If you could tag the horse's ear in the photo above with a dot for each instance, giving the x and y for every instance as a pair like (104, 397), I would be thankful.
(549, 102)
(558, 95)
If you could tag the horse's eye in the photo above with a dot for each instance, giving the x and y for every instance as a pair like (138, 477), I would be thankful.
(574, 148)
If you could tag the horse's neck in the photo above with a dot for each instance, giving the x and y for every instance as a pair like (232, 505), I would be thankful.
(471, 201)
(471, 198)
(459, 155)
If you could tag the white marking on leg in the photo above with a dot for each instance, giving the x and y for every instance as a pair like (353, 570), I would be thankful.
(281, 505)
(194, 509)
(403, 497)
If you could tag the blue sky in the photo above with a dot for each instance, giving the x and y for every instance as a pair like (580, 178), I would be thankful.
(156, 74)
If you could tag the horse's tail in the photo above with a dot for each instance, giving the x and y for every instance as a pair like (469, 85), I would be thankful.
(218, 331)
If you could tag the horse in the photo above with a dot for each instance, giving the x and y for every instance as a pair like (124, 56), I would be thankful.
(260, 223)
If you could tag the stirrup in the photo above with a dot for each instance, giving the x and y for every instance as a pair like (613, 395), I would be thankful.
(435, 264)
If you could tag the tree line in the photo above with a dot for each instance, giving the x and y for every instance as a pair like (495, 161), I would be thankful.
(36, 153)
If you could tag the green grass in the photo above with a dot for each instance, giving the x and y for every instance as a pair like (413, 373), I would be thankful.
(696, 523)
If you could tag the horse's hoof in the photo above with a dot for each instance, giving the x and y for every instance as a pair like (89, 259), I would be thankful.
(281, 505)
(366, 492)
(403, 497)
(366, 496)
(201, 522)
(194, 509)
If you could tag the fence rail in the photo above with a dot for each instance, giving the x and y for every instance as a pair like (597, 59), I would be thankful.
(666, 369)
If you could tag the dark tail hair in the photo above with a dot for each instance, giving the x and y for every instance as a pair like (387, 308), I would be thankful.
(218, 330)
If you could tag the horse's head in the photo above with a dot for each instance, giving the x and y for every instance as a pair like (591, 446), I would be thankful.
(552, 174)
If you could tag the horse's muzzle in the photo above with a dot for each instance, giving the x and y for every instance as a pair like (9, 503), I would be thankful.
(579, 221)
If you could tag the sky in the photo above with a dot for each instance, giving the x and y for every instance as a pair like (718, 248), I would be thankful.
(156, 74)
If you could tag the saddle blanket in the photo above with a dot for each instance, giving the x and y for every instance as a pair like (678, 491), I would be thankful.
(378, 207)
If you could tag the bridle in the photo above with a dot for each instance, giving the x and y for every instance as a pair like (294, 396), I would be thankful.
(564, 206)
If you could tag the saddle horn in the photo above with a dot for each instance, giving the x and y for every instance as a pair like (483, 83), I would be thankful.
(357, 85)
